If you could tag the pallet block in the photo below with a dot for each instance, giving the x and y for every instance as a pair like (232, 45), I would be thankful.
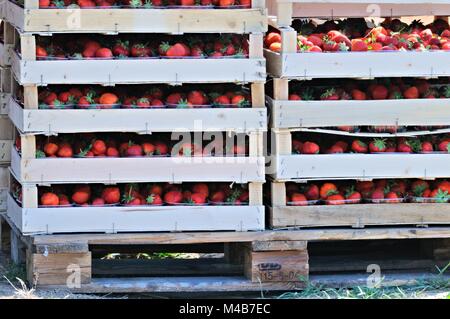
(30, 18)
(281, 215)
(285, 10)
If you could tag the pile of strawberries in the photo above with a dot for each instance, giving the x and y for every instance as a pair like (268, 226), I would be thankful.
(377, 192)
(144, 4)
(143, 97)
(141, 194)
(356, 35)
(422, 145)
(380, 89)
(89, 145)
(76, 46)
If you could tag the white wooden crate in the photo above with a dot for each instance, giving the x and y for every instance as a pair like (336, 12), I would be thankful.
(138, 71)
(286, 9)
(134, 120)
(408, 112)
(360, 215)
(142, 219)
(137, 169)
(358, 64)
(102, 20)
(361, 166)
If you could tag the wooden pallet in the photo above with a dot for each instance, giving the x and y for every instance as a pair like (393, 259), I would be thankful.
(252, 261)
(281, 215)
(367, 65)
(285, 10)
(29, 71)
(32, 19)
(265, 263)
(287, 166)
(287, 114)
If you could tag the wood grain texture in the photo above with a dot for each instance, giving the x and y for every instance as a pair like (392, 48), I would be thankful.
(360, 215)
(279, 245)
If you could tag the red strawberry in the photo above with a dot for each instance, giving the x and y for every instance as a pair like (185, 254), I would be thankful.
(173, 197)
(379, 92)
(359, 146)
(377, 146)
(111, 195)
(312, 192)
(444, 146)
(310, 148)
(298, 199)
(103, 53)
(411, 93)
(330, 94)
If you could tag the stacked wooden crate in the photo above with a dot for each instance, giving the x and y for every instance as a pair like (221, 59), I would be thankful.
(25, 23)
(6, 129)
(322, 117)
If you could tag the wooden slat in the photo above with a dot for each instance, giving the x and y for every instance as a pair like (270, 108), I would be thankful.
(142, 121)
(360, 215)
(138, 20)
(136, 71)
(277, 245)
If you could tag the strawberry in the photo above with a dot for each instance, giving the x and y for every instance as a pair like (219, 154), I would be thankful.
(440, 196)
(103, 53)
(99, 148)
(444, 146)
(218, 197)
(358, 95)
(121, 48)
(154, 199)
(50, 149)
(335, 149)
(379, 92)
(411, 93)
(312, 192)
(112, 152)
(392, 197)
(330, 94)
(139, 50)
(148, 148)
(272, 37)
(65, 151)
(63, 200)
(41, 52)
(197, 98)
(81, 197)
(298, 199)
(111, 195)
(142, 103)
(327, 189)
(359, 45)
(44, 3)
(359, 146)
(310, 148)
(134, 150)
(98, 202)
(404, 147)
(161, 148)
(335, 199)
(377, 195)
(426, 147)
(377, 146)
(294, 97)
(49, 199)
(418, 187)
(173, 197)
(352, 196)
(201, 188)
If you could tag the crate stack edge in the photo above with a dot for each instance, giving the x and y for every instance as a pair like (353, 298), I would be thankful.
(288, 117)
(32, 73)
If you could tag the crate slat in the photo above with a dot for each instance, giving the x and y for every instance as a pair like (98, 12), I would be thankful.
(134, 120)
(137, 20)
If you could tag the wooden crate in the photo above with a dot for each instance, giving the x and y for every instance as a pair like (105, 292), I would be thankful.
(29, 218)
(282, 215)
(32, 19)
(30, 119)
(287, 114)
(367, 65)
(287, 166)
(285, 10)
(29, 71)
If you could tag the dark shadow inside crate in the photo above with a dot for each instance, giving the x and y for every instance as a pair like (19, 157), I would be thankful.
(362, 255)
(163, 260)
